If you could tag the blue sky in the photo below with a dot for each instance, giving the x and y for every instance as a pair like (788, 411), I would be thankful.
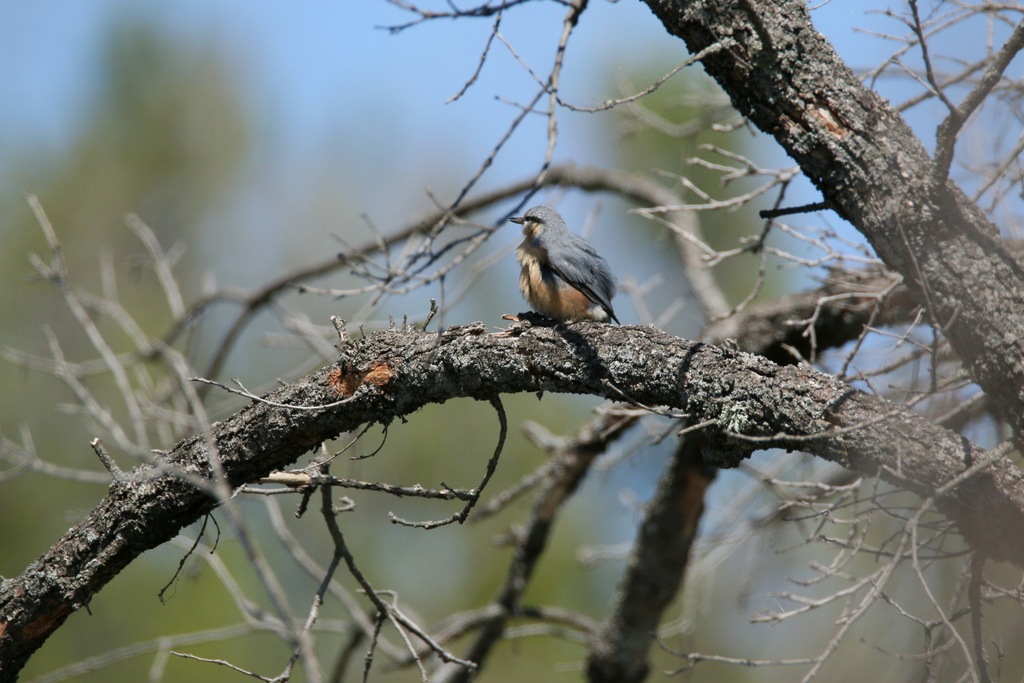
(313, 68)
(307, 65)
(337, 94)
(310, 67)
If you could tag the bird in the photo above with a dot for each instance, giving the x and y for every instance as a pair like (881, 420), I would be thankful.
(562, 276)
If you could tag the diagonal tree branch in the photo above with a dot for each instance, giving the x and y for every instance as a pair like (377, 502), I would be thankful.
(874, 172)
(751, 402)
(948, 130)
(783, 329)
(618, 652)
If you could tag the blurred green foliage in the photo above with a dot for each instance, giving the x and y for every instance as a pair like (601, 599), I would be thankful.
(662, 135)
(168, 136)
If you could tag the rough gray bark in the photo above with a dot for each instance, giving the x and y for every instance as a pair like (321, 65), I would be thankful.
(396, 372)
(874, 172)
(871, 170)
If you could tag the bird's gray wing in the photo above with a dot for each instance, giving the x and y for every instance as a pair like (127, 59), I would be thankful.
(587, 271)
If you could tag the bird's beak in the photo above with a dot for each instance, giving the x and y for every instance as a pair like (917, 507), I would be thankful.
(517, 219)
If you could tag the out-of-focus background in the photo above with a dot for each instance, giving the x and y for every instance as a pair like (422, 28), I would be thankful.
(255, 138)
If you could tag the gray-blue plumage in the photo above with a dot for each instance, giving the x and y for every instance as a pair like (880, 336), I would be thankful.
(566, 256)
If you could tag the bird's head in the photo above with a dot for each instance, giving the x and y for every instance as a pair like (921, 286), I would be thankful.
(539, 220)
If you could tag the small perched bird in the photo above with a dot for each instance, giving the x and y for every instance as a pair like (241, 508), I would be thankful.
(562, 276)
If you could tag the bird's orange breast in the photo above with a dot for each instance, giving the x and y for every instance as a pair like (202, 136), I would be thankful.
(550, 295)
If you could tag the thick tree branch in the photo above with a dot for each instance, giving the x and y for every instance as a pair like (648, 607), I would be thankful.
(618, 652)
(797, 326)
(809, 322)
(874, 172)
(752, 402)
